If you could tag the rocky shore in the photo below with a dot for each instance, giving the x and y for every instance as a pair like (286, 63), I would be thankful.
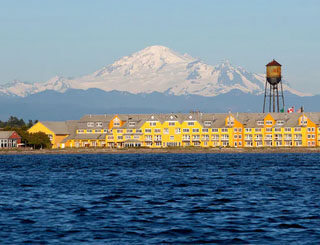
(195, 150)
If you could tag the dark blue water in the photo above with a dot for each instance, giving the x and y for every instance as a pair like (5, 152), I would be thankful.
(152, 199)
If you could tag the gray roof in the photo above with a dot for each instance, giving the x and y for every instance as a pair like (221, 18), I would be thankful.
(56, 127)
(6, 134)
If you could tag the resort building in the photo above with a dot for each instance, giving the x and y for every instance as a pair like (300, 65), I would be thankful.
(183, 130)
(9, 139)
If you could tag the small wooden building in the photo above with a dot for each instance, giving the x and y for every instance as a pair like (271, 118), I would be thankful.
(9, 139)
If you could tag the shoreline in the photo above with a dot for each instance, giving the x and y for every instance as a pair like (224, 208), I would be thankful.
(158, 151)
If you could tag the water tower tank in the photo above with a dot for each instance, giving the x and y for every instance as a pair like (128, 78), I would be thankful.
(273, 72)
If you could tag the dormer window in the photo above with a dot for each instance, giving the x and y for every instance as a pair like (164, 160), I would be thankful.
(230, 121)
(304, 120)
(207, 123)
(280, 122)
(269, 122)
(99, 124)
(260, 123)
(153, 124)
(90, 124)
(116, 122)
(132, 124)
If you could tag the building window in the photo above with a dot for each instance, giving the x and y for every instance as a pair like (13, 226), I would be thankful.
(147, 130)
(157, 130)
(139, 131)
(80, 131)
(148, 138)
(280, 122)
(260, 123)
(99, 124)
(247, 130)
(195, 130)
(207, 123)
(205, 130)
(171, 137)
(304, 120)
(132, 124)
(269, 122)
(129, 131)
(50, 137)
(258, 130)
(268, 130)
(89, 131)
(172, 124)
(224, 130)
(185, 130)
(166, 131)
(119, 131)
(120, 137)
(190, 123)
(215, 130)
(178, 130)
(277, 129)
(90, 124)
(297, 129)
(153, 124)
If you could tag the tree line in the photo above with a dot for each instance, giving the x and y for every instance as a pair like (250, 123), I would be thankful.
(36, 140)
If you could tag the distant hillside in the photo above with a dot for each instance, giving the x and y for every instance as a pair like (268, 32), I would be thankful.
(53, 105)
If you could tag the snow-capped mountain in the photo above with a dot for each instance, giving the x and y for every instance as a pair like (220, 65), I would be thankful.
(23, 89)
(156, 69)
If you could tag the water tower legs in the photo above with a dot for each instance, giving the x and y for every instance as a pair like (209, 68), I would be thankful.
(275, 96)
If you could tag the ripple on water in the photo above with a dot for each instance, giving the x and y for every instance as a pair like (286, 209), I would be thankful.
(155, 199)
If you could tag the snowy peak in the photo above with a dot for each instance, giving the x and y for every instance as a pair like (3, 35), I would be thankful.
(156, 69)
(152, 58)
(23, 89)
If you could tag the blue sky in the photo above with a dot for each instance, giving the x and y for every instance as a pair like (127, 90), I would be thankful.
(41, 39)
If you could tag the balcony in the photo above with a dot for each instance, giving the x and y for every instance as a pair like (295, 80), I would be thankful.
(205, 138)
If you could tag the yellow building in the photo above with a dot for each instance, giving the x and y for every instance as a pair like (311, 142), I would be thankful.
(186, 130)
(56, 131)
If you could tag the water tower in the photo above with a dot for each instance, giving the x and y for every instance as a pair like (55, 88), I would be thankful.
(271, 93)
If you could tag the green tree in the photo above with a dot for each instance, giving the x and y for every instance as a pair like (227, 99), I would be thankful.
(38, 140)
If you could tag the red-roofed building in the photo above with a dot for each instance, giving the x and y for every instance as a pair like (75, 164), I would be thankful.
(9, 139)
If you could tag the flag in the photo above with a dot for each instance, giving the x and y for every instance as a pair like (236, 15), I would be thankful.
(290, 109)
(282, 110)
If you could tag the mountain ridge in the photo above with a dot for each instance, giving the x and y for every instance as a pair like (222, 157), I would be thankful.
(156, 68)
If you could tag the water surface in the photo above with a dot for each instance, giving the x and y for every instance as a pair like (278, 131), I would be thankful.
(160, 198)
